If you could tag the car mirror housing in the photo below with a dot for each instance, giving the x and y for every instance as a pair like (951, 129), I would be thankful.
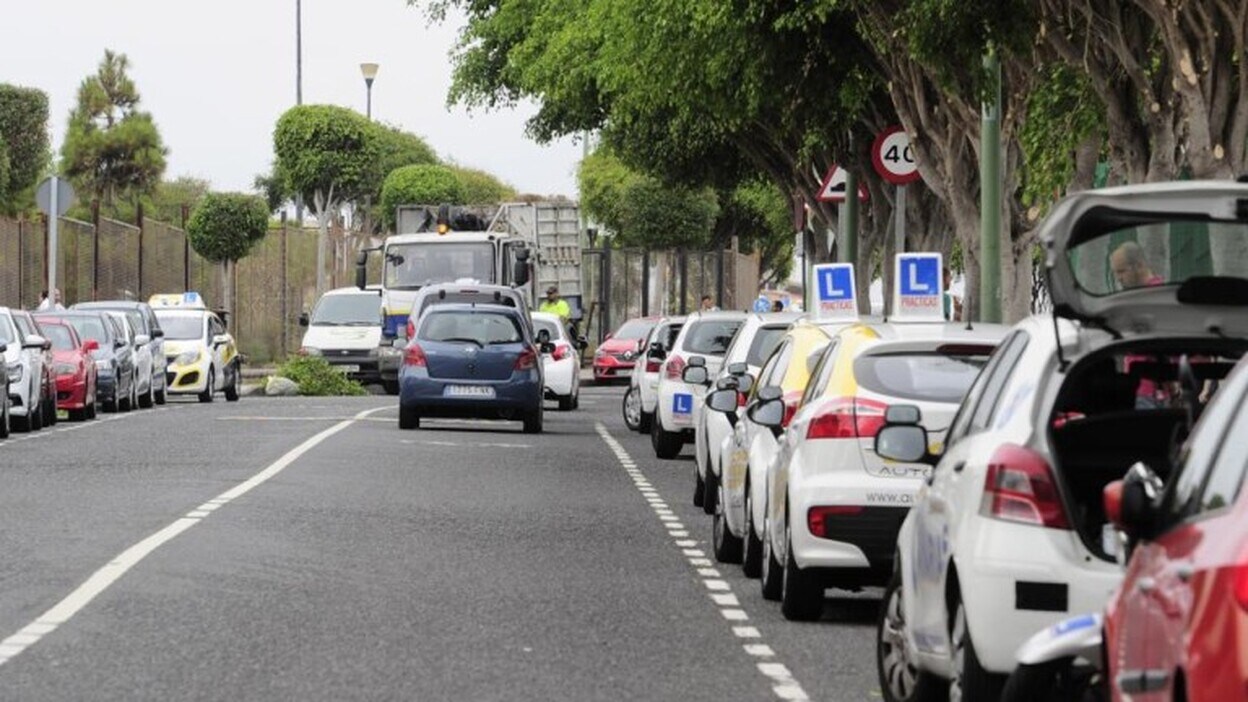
(34, 341)
(220, 339)
(158, 333)
(767, 412)
(697, 362)
(543, 336)
(906, 443)
(89, 346)
(745, 383)
(724, 400)
(727, 382)
(303, 319)
(1136, 496)
(142, 340)
(695, 375)
(738, 368)
(902, 414)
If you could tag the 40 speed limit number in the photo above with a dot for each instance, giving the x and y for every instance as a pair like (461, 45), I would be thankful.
(893, 157)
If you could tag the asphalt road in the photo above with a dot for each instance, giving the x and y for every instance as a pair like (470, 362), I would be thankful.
(306, 548)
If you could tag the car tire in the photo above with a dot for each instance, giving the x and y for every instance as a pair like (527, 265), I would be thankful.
(131, 400)
(710, 493)
(801, 593)
(726, 545)
(533, 422)
(647, 420)
(89, 411)
(900, 680)
(970, 683)
(565, 403)
(772, 575)
(234, 388)
(6, 423)
(409, 418)
(35, 418)
(630, 409)
(49, 410)
(206, 395)
(147, 399)
(78, 415)
(111, 406)
(162, 395)
(752, 548)
(699, 490)
(666, 444)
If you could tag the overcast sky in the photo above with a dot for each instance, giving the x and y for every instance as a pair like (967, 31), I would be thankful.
(216, 75)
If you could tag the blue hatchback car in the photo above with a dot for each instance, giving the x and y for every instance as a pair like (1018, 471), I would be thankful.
(476, 361)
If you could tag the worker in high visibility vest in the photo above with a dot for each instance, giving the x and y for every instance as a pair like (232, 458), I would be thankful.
(556, 305)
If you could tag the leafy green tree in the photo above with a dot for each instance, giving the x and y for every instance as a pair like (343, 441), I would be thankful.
(480, 187)
(326, 155)
(112, 149)
(395, 148)
(759, 216)
(644, 211)
(23, 145)
(171, 196)
(427, 184)
(224, 228)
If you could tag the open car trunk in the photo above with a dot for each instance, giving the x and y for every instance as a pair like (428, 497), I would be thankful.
(1129, 403)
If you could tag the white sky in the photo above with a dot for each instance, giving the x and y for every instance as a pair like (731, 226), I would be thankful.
(216, 75)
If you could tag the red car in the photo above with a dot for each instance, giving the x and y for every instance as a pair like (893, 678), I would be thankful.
(74, 367)
(617, 354)
(1177, 628)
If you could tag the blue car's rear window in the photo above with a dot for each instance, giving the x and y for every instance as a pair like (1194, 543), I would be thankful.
(481, 326)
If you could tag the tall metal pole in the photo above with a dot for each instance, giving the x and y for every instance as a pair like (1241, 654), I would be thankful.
(299, 92)
(990, 197)
(849, 226)
(53, 222)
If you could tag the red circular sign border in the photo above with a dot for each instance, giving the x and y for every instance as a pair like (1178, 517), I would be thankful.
(877, 159)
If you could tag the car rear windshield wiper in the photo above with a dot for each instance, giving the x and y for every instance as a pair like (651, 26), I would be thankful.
(461, 338)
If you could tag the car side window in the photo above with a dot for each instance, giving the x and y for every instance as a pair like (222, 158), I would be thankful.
(1197, 458)
(996, 382)
(1227, 475)
(784, 354)
(961, 425)
(23, 324)
(765, 373)
(822, 371)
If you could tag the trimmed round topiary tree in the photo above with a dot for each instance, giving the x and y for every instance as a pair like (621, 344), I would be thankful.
(223, 228)
(424, 184)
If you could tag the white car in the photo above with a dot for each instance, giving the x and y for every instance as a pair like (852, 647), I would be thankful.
(562, 366)
(1011, 536)
(345, 328)
(833, 507)
(144, 321)
(144, 387)
(203, 358)
(679, 404)
(641, 399)
(749, 449)
(24, 356)
(754, 342)
(5, 417)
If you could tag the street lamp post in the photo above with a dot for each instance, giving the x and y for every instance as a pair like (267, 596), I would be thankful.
(370, 72)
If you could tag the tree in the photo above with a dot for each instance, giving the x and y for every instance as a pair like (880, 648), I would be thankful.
(23, 145)
(224, 228)
(395, 149)
(426, 184)
(112, 149)
(171, 196)
(324, 153)
(482, 188)
(644, 211)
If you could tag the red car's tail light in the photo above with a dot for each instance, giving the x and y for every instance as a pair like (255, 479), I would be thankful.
(415, 356)
(675, 368)
(848, 418)
(1020, 488)
(527, 360)
(816, 516)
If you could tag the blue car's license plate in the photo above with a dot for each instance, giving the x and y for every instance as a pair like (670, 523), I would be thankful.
(477, 391)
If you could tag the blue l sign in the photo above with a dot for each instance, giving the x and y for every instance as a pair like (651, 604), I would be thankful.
(836, 284)
(682, 403)
(920, 275)
(835, 297)
(919, 287)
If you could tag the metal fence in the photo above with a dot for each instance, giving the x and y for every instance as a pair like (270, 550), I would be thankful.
(116, 260)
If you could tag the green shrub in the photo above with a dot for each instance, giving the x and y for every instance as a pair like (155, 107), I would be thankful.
(315, 376)
(425, 184)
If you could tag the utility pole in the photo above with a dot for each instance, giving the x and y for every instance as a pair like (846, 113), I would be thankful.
(990, 196)
(299, 92)
(849, 224)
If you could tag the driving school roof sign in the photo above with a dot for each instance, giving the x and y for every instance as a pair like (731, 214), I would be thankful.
(919, 292)
(835, 296)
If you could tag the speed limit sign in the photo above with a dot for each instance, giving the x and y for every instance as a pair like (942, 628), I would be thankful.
(894, 157)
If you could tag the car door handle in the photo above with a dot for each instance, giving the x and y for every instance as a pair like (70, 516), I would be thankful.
(1184, 571)
(957, 467)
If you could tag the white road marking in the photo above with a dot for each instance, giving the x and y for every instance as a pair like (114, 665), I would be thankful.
(784, 685)
(105, 577)
(308, 418)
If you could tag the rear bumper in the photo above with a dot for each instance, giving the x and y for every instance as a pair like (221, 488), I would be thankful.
(521, 393)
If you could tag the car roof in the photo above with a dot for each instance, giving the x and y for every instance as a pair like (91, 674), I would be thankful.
(699, 315)
(947, 331)
(471, 307)
(352, 290)
(105, 304)
(544, 316)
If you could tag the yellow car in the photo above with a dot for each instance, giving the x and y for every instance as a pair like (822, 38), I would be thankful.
(202, 355)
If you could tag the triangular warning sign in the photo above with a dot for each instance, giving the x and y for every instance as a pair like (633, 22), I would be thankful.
(833, 188)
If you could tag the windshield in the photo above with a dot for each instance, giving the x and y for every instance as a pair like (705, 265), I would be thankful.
(550, 327)
(1152, 252)
(481, 328)
(928, 377)
(711, 337)
(59, 336)
(416, 265)
(90, 328)
(349, 310)
(633, 329)
(181, 328)
(765, 341)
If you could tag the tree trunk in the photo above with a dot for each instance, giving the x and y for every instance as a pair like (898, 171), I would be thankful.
(227, 291)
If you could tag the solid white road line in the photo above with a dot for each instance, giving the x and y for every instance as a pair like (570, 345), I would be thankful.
(784, 685)
(102, 579)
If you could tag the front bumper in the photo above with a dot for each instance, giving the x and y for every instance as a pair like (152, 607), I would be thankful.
(71, 392)
(608, 367)
(190, 379)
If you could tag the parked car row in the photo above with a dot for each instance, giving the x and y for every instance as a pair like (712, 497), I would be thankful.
(111, 356)
(996, 481)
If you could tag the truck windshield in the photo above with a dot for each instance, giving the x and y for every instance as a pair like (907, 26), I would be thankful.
(414, 266)
(350, 310)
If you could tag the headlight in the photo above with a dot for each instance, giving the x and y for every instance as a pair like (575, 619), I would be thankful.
(186, 358)
(309, 351)
(65, 369)
(15, 374)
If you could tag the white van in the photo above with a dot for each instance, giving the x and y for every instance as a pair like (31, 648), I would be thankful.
(345, 329)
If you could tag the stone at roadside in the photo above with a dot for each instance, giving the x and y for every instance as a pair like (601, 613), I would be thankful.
(281, 387)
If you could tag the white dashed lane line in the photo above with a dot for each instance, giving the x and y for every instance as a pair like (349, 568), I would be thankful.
(784, 685)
